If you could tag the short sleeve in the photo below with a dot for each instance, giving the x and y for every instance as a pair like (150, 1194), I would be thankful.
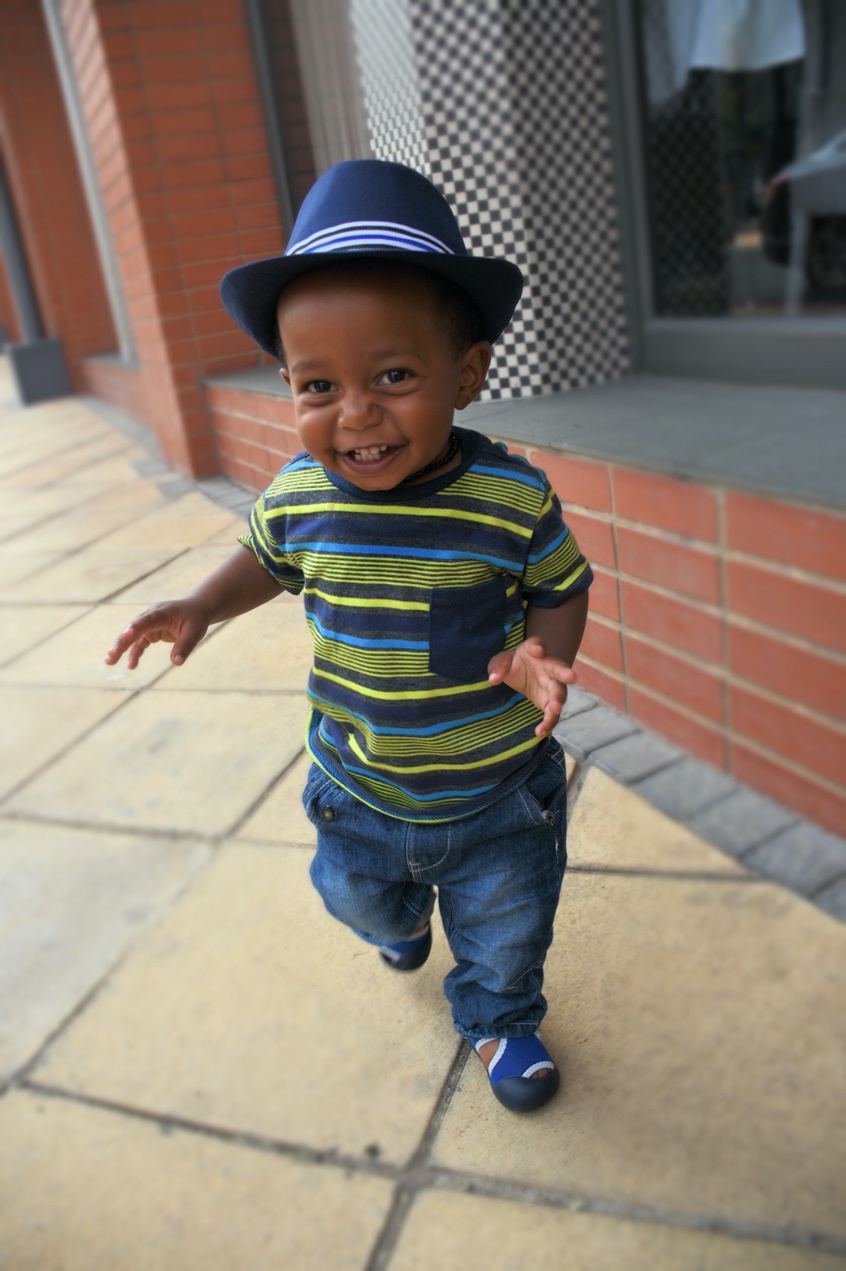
(263, 543)
(555, 569)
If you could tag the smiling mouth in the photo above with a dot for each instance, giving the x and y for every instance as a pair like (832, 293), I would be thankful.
(370, 454)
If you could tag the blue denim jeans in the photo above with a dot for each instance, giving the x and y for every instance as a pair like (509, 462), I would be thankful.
(498, 875)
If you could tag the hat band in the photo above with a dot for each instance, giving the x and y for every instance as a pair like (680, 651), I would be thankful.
(360, 235)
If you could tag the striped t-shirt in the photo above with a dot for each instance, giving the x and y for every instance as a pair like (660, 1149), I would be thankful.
(408, 593)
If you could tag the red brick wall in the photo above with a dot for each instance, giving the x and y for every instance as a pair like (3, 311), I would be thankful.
(719, 619)
(255, 433)
(47, 189)
(171, 107)
(117, 383)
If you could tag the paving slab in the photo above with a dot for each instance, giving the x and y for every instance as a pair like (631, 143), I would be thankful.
(34, 507)
(177, 576)
(192, 762)
(18, 566)
(583, 733)
(106, 472)
(701, 1034)
(804, 858)
(71, 901)
(89, 462)
(612, 827)
(39, 723)
(637, 756)
(268, 649)
(240, 527)
(743, 819)
(185, 522)
(97, 512)
(280, 818)
(23, 627)
(251, 1009)
(74, 655)
(88, 1190)
(90, 575)
(453, 1232)
(686, 788)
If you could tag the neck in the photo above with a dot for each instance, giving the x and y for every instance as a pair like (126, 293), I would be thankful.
(448, 453)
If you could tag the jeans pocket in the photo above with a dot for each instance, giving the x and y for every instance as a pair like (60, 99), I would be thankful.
(544, 797)
(547, 785)
(466, 629)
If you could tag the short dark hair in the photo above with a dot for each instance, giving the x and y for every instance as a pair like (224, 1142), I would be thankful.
(463, 322)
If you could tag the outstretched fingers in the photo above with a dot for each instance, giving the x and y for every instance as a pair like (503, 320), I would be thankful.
(167, 623)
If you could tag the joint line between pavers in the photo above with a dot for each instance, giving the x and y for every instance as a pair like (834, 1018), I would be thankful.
(574, 786)
(113, 595)
(674, 875)
(239, 1138)
(21, 1076)
(411, 1180)
(110, 827)
(124, 695)
(259, 799)
(31, 648)
(527, 1194)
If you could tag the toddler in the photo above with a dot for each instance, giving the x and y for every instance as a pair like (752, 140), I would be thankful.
(445, 596)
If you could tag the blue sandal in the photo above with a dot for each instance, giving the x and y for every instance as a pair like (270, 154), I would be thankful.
(510, 1072)
(408, 955)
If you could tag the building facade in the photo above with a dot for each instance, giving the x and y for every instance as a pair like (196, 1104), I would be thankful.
(674, 189)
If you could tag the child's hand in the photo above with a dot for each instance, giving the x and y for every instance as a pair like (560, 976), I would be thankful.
(182, 623)
(534, 673)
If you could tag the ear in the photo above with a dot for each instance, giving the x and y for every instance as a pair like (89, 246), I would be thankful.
(475, 361)
(283, 371)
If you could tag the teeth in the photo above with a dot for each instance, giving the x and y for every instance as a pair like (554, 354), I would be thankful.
(369, 453)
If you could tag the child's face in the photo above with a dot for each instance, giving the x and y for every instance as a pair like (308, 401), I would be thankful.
(374, 376)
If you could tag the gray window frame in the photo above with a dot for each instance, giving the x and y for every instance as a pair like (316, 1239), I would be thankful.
(805, 352)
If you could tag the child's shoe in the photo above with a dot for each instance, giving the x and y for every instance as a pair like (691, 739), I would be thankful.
(510, 1072)
(408, 955)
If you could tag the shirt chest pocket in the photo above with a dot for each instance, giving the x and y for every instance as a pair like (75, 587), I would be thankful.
(466, 628)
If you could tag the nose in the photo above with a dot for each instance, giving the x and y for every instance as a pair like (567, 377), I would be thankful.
(359, 411)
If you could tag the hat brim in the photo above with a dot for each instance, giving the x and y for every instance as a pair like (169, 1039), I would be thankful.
(250, 293)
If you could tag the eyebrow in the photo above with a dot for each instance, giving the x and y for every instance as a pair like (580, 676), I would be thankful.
(309, 364)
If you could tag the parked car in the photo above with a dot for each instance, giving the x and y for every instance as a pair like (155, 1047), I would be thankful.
(816, 187)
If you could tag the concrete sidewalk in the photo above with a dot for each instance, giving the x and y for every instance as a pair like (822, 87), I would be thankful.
(202, 1070)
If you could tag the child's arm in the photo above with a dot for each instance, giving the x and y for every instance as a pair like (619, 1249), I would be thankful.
(540, 667)
(237, 585)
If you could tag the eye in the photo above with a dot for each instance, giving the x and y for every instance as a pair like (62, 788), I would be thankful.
(317, 387)
(396, 375)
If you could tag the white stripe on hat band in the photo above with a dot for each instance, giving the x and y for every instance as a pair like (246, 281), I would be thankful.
(370, 234)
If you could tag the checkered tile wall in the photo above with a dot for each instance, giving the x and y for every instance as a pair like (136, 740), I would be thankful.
(515, 132)
(382, 31)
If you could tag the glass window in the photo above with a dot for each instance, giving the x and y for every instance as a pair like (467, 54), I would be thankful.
(745, 134)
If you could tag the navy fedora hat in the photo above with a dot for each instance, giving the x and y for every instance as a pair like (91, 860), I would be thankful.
(378, 211)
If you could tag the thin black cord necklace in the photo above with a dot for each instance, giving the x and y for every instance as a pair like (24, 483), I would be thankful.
(452, 451)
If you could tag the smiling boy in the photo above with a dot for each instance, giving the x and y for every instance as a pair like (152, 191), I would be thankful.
(445, 596)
